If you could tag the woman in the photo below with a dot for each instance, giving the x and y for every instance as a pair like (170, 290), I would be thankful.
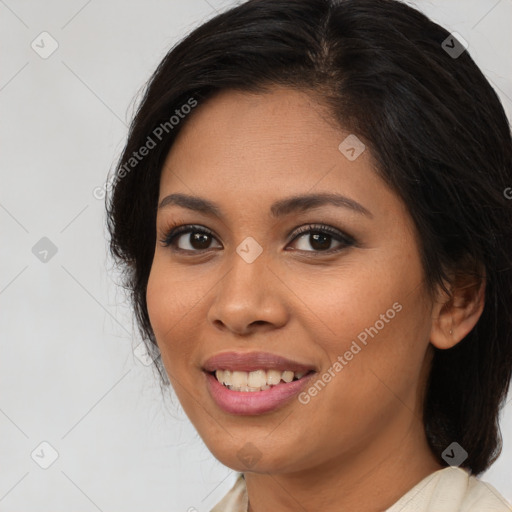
(312, 212)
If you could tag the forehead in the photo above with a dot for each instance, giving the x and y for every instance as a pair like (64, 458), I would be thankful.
(247, 138)
(248, 150)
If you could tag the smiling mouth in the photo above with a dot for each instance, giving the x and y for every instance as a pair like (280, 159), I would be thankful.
(257, 380)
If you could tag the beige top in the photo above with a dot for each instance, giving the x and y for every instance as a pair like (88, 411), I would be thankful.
(450, 489)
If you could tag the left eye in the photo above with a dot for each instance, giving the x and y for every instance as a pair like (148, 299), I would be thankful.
(199, 239)
(321, 238)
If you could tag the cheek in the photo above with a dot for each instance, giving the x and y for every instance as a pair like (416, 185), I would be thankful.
(365, 301)
(158, 295)
(378, 360)
(377, 321)
(170, 302)
(367, 385)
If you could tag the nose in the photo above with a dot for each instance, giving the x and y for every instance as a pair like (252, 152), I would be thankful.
(250, 297)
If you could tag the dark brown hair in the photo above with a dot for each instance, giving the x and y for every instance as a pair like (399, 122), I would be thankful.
(435, 128)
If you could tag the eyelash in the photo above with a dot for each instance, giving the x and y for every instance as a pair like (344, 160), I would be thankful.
(175, 230)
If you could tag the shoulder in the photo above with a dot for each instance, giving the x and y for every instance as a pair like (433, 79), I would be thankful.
(483, 497)
(452, 489)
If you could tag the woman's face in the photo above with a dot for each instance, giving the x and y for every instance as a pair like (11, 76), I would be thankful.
(350, 308)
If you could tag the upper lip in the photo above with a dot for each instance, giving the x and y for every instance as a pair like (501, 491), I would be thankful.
(251, 361)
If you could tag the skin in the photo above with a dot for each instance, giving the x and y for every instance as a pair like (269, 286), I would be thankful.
(360, 443)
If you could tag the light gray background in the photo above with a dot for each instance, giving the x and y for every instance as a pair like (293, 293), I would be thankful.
(68, 375)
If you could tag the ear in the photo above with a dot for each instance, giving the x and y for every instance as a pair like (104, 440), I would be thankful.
(454, 315)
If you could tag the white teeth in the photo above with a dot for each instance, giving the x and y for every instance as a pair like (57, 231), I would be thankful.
(273, 377)
(228, 377)
(239, 379)
(258, 380)
(287, 376)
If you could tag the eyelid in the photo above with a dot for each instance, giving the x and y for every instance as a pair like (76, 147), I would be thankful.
(323, 228)
(176, 229)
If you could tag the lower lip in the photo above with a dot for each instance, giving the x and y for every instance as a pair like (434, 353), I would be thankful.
(254, 402)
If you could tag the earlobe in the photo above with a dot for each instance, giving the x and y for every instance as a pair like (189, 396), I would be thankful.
(455, 316)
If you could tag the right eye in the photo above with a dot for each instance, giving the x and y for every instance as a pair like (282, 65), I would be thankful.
(199, 238)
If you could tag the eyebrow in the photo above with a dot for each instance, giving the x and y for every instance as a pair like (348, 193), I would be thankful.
(278, 209)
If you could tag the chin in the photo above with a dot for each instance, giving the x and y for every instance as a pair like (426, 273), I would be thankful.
(244, 456)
